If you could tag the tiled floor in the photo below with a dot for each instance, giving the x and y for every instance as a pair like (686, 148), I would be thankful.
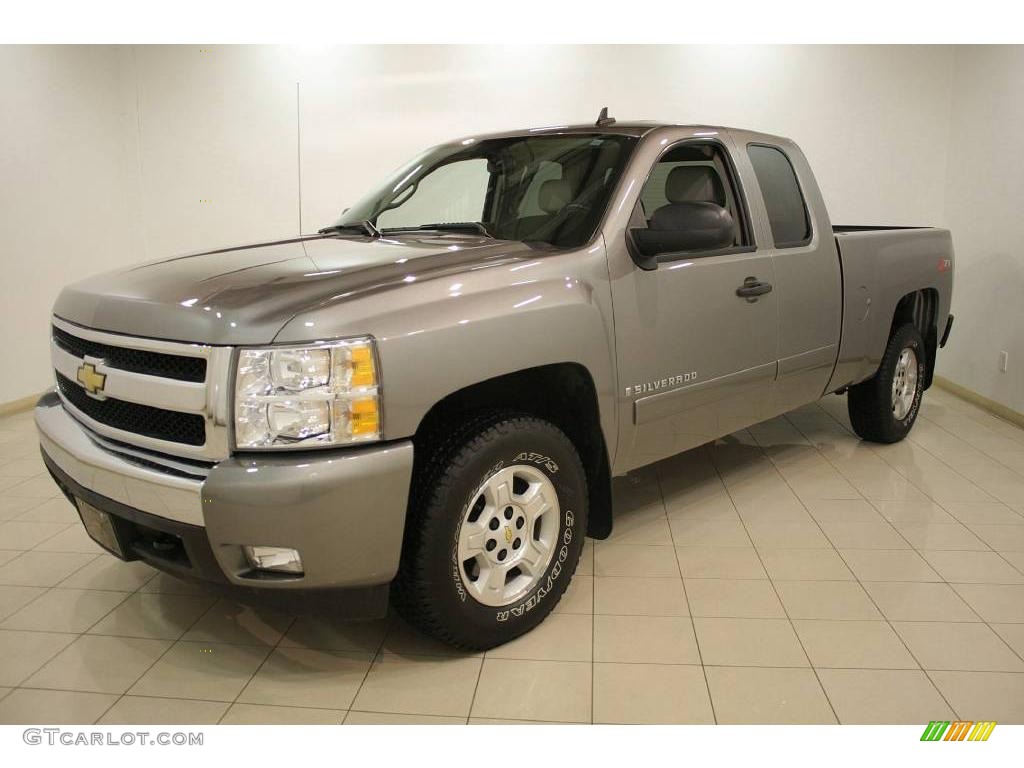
(789, 573)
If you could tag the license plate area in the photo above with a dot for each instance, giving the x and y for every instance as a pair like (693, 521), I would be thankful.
(101, 529)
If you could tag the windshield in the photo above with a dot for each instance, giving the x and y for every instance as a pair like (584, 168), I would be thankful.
(550, 189)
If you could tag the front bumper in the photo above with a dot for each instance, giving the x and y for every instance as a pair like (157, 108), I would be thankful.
(343, 510)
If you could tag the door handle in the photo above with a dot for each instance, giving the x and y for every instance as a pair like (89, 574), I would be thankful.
(752, 288)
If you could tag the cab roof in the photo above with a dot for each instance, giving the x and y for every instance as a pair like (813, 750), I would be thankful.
(635, 128)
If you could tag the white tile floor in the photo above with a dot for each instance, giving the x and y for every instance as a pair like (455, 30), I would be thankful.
(788, 573)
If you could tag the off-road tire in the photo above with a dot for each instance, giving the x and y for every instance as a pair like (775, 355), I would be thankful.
(870, 403)
(429, 591)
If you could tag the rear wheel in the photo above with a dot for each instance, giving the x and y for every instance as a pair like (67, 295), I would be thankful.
(884, 408)
(496, 526)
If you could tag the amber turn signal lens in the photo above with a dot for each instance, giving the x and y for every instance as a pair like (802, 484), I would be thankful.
(363, 373)
(364, 417)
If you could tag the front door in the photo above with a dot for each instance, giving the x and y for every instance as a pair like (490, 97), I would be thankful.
(696, 360)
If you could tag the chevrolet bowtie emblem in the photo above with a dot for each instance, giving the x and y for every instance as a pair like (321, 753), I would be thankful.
(90, 379)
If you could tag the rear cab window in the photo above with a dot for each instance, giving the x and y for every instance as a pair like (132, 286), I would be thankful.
(783, 199)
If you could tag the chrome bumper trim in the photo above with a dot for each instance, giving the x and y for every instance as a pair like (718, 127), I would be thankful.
(69, 445)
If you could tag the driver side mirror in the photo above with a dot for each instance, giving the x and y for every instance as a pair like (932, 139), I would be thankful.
(681, 228)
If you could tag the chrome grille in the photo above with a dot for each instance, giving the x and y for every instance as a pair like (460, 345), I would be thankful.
(177, 367)
(164, 397)
(159, 423)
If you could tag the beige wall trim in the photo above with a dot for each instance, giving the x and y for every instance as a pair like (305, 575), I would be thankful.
(19, 406)
(980, 400)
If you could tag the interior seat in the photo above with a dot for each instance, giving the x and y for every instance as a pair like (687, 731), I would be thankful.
(552, 196)
(685, 185)
(694, 184)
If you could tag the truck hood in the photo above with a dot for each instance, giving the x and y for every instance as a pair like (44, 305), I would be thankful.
(245, 295)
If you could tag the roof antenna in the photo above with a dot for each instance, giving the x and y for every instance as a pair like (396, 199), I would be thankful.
(603, 119)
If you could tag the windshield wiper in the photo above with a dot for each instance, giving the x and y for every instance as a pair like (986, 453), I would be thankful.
(453, 226)
(365, 226)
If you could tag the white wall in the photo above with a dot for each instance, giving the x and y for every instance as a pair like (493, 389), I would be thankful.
(871, 119)
(192, 147)
(68, 190)
(218, 159)
(984, 208)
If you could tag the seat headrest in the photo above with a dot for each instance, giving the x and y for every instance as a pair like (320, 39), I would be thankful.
(554, 195)
(694, 184)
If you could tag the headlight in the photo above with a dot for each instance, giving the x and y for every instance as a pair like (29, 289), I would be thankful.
(321, 395)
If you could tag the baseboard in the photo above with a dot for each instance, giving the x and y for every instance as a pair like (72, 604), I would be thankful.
(1000, 410)
(19, 406)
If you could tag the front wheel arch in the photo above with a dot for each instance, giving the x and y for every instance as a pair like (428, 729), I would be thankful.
(430, 590)
(563, 394)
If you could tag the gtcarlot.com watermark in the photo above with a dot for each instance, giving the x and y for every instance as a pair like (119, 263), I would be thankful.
(74, 738)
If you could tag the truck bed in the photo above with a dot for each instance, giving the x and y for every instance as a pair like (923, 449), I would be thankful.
(880, 266)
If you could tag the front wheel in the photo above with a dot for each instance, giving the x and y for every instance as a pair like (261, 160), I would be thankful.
(496, 525)
(884, 408)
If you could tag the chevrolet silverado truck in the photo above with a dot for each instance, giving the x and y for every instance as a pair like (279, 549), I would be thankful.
(424, 404)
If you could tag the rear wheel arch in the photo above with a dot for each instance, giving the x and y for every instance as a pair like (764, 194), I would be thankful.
(883, 409)
(920, 309)
(563, 394)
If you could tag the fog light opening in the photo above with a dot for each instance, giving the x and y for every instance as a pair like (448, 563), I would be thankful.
(274, 559)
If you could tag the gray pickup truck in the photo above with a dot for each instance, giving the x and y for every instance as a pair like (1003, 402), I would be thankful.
(426, 402)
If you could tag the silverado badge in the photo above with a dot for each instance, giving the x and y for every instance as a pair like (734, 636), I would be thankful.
(90, 379)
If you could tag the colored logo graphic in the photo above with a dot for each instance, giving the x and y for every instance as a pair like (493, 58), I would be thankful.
(961, 730)
(90, 379)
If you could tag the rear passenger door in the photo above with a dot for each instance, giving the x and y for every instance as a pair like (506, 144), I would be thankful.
(808, 285)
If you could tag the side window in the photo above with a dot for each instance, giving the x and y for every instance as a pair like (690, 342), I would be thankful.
(453, 193)
(693, 172)
(780, 189)
(652, 196)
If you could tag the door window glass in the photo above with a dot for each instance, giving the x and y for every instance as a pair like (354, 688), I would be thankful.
(787, 212)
